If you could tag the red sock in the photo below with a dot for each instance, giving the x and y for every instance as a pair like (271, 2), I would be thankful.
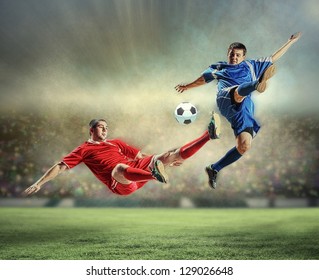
(191, 148)
(136, 174)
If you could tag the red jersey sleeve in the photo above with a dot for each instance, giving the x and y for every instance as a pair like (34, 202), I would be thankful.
(74, 158)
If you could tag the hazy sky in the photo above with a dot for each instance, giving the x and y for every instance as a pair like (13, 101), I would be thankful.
(70, 61)
(105, 54)
(121, 59)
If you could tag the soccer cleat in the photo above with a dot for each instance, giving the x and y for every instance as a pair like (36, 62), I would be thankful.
(262, 83)
(159, 173)
(214, 126)
(212, 177)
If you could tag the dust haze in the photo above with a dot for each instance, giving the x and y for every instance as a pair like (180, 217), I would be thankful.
(71, 61)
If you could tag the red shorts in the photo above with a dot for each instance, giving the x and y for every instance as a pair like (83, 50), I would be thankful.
(122, 189)
(126, 189)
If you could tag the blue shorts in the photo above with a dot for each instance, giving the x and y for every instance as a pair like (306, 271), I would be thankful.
(240, 115)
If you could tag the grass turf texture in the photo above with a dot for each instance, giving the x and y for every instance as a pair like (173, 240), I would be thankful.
(153, 233)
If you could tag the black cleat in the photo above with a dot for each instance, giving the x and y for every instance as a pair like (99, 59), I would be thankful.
(159, 173)
(212, 177)
(214, 126)
(268, 73)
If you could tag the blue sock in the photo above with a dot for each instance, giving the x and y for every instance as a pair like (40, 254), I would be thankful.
(247, 88)
(230, 157)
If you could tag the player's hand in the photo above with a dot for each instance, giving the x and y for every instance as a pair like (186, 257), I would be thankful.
(32, 189)
(295, 37)
(181, 88)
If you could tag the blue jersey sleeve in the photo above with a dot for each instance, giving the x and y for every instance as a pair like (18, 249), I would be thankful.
(208, 74)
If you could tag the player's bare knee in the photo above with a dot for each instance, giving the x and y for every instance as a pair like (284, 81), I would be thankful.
(119, 169)
(243, 148)
(237, 97)
(118, 173)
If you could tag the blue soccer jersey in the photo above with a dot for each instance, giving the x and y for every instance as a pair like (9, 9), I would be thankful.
(230, 76)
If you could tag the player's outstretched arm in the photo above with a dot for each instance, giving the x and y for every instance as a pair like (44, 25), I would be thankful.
(50, 174)
(198, 82)
(280, 52)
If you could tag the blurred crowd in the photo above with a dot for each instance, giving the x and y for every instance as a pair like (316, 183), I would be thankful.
(284, 161)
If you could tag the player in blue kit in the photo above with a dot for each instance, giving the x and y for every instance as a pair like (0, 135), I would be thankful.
(236, 80)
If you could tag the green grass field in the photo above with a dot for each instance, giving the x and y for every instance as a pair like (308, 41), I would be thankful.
(165, 234)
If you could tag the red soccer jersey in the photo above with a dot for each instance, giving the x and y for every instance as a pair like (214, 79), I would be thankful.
(101, 158)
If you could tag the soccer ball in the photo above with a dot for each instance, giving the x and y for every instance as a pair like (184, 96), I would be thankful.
(185, 113)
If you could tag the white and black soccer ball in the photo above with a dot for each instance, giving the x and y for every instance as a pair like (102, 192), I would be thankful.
(185, 113)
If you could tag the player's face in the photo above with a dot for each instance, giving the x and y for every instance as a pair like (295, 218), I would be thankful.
(235, 56)
(99, 133)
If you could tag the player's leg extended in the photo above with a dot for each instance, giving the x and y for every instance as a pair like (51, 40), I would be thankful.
(125, 174)
(244, 140)
(186, 151)
(212, 170)
(262, 81)
(176, 156)
(244, 90)
(260, 85)
(194, 146)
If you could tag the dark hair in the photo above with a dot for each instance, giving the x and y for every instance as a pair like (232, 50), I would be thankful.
(237, 45)
(94, 122)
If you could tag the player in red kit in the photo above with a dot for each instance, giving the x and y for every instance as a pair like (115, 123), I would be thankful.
(121, 167)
